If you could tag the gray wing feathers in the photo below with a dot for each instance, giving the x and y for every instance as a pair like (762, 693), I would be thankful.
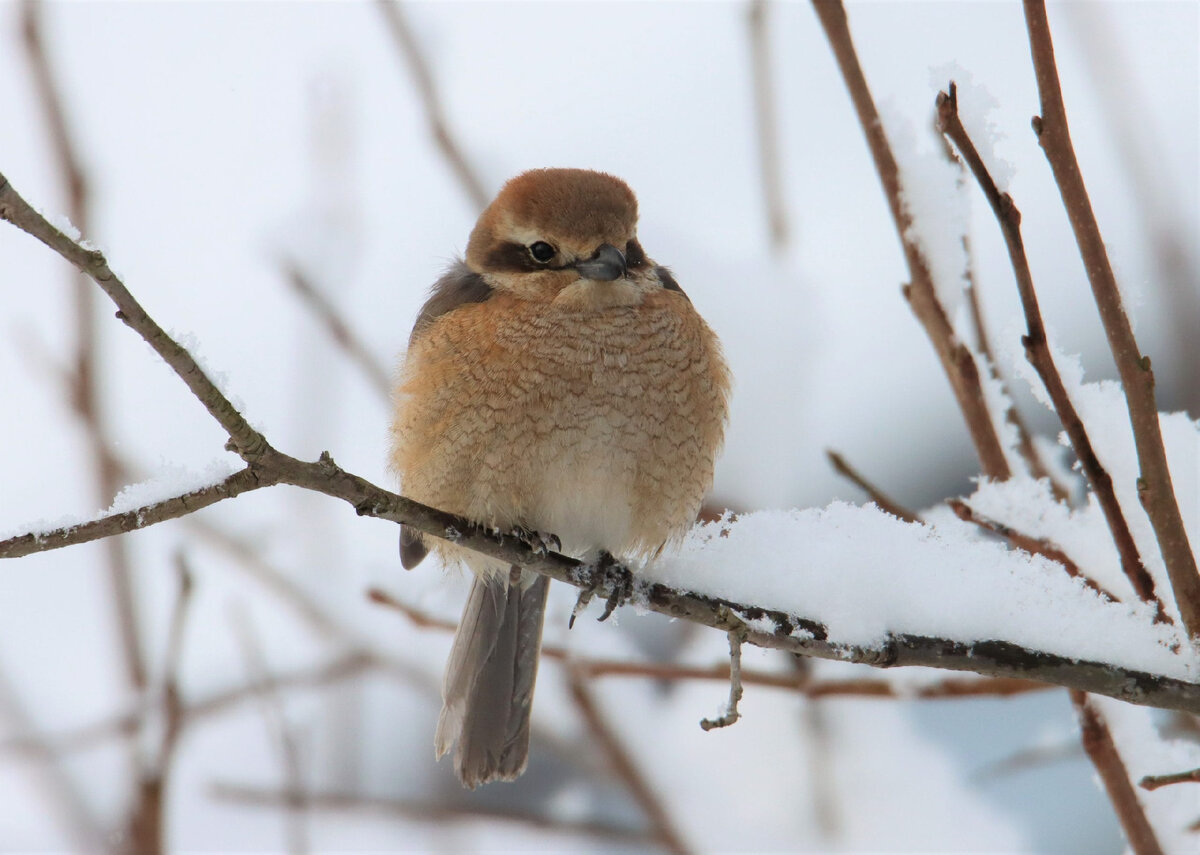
(412, 547)
(458, 286)
(488, 688)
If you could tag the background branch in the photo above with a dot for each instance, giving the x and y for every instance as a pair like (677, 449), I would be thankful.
(1155, 488)
(1098, 743)
(957, 361)
(1037, 351)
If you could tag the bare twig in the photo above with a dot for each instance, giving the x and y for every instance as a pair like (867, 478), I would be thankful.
(145, 824)
(438, 814)
(239, 482)
(1025, 446)
(766, 123)
(957, 361)
(624, 767)
(406, 45)
(346, 667)
(1037, 351)
(731, 714)
(339, 330)
(1098, 743)
(1155, 489)
(279, 729)
(1030, 544)
(885, 502)
(1153, 782)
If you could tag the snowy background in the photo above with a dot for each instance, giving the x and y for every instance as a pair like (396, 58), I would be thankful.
(222, 140)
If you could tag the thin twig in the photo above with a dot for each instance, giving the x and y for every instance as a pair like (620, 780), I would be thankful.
(957, 361)
(766, 124)
(624, 767)
(1037, 351)
(146, 821)
(880, 498)
(339, 330)
(242, 481)
(408, 49)
(1154, 486)
(1025, 446)
(435, 813)
(64, 799)
(279, 730)
(1028, 543)
(1153, 782)
(1098, 743)
(731, 714)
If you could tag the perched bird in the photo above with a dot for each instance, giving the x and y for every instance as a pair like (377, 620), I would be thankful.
(557, 381)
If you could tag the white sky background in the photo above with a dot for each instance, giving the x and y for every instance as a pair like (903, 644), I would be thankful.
(220, 137)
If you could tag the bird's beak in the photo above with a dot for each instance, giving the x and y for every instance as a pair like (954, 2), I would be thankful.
(606, 265)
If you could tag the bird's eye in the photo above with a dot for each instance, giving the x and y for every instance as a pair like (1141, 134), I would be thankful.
(542, 251)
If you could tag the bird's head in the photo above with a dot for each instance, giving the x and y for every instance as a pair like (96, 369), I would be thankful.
(566, 235)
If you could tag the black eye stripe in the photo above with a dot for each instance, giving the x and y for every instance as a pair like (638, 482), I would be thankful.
(635, 256)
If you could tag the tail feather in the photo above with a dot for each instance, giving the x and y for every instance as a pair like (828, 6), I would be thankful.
(487, 692)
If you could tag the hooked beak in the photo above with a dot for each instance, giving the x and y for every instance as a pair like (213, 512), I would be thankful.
(606, 265)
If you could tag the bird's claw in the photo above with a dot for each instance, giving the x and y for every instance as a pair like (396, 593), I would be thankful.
(607, 575)
(541, 542)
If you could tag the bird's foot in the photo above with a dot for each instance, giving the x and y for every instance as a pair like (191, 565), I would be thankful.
(607, 577)
(541, 542)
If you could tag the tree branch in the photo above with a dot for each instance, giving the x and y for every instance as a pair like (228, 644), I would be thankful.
(766, 124)
(885, 502)
(242, 481)
(625, 769)
(1153, 782)
(1098, 743)
(406, 45)
(438, 814)
(1037, 351)
(957, 361)
(1155, 489)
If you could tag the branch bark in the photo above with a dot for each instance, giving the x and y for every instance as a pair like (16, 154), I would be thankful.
(1100, 748)
(1155, 489)
(1037, 351)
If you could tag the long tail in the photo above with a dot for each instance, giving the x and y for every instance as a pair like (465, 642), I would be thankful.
(487, 692)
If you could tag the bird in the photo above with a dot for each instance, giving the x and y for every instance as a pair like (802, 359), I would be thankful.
(557, 382)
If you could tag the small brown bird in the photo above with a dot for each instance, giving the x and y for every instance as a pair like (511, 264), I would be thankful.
(557, 381)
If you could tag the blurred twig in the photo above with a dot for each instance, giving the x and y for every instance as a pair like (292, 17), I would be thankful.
(624, 767)
(1098, 743)
(436, 813)
(1037, 351)
(145, 825)
(339, 330)
(279, 730)
(1155, 489)
(885, 502)
(408, 49)
(798, 681)
(766, 123)
(64, 798)
(957, 361)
